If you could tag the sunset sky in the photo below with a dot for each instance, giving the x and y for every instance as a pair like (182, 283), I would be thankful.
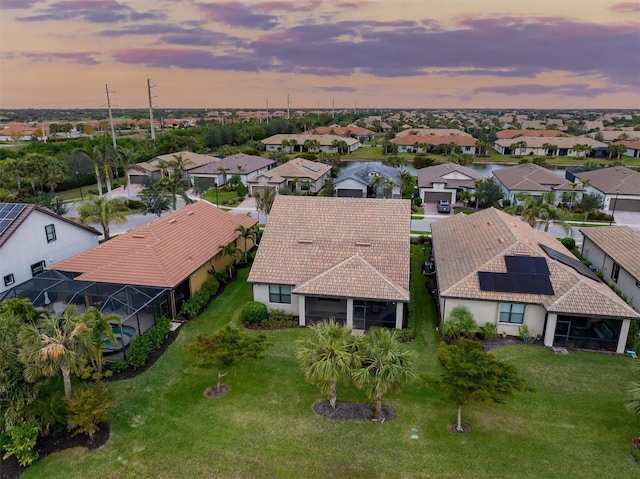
(376, 53)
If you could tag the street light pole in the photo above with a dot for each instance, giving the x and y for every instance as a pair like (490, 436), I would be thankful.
(614, 207)
(79, 185)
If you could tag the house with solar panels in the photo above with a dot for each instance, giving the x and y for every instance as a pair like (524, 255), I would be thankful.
(33, 237)
(510, 274)
(298, 176)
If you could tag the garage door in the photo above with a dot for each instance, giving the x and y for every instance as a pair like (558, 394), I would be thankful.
(624, 205)
(350, 193)
(254, 189)
(435, 196)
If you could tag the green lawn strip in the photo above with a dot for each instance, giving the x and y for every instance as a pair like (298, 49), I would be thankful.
(222, 196)
(572, 425)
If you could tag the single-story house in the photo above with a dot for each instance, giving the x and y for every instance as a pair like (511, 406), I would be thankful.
(432, 132)
(633, 147)
(359, 181)
(534, 180)
(245, 166)
(615, 251)
(342, 258)
(350, 131)
(297, 175)
(513, 133)
(611, 136)
(442, 182)
(510, 274)
(174, 252)
(165, 165)
(619, 186)
(425, 143)
(33, 237)
(545, 146)
(295, 143)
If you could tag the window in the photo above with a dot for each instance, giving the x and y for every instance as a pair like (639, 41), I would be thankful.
(9, 279)
(279, 293)
(511, 313)
(615, 271)
(37, 268)
(51, 233)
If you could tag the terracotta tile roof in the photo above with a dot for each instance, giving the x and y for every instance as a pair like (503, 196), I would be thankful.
(162, 253)
(432, 132)
(508, 134)
(632, 145)
(341, 130)
(466, 244)
(559, 141)
(247, 164)
(356, 247)
(459, 176)
(295, 169)
(192, 160)
(325, 140)
(621, 243)
(528, 177)
(4, 236)
(608, 180)
(411, 140)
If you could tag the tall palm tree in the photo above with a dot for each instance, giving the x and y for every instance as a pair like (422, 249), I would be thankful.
(101, 329)
(34, 164)
(383, 364)
(539, 211)
(94, 156)
(327, 356)
(102, 211)
(232, 251)
(245, 234)
(180, 164)
(54, 172)
(126, 157)
(223, 171)
(57, 344)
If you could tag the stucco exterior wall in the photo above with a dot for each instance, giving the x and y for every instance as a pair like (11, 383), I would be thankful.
(261, 294)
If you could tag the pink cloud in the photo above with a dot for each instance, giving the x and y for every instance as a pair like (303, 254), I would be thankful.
(624, 7)
(82, 58)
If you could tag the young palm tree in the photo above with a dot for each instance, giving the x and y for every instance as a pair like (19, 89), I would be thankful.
(633, 397)
(126, 157)
(222, 170)
(94, 156)
(230, 250)
(245, 234)
(101, 328)
(327, 356)
(175, 186)
(101, 210)
(57, 344)
(383, 364)
(180, 164)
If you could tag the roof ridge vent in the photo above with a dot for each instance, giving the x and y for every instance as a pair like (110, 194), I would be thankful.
(305, 241)
(138, 236)
(190, 212)
(173, 220)
(363, 243)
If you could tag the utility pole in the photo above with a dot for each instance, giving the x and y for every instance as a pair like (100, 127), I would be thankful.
(288, 116)
(333, 105)
(153, 127)
(113, 131)
(267, 111)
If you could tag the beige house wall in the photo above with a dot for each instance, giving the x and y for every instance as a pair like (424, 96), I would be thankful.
(261, 294)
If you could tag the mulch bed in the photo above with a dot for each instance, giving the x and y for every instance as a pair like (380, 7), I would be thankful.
(216, 392)
(10, 469)
(466, 428)
(352, 411)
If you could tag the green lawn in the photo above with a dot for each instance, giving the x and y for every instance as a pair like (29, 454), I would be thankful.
(222, 196)
(573, 425)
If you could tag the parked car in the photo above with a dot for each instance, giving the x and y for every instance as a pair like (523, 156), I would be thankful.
(444, 206)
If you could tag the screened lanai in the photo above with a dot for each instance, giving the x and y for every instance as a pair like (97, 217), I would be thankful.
(138, 306)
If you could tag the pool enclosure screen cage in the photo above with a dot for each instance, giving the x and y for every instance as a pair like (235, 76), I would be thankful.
(55, 291)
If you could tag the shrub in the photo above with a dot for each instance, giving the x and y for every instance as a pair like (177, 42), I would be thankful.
(489, 331)
(417, 201)
(88, 408)
(506, 203)
(523, 331)
(568, 243)
(460, 323)
(140, 350)
(22, 440)
(200, 300)
(254, 312)
(118, 366)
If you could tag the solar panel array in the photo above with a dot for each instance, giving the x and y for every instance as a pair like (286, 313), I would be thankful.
(8, 213)
(570, 261)
(311, 167)
(525, 274)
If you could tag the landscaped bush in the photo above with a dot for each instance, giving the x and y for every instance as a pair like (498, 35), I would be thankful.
(254, 312)
(404, 335)
(489, 331)
(277, 319)
(151, 339)
(568, 243)
(417, 201)
(88, 408)
(118, 366)
(506, 203)
(200, 300)
(22, 441)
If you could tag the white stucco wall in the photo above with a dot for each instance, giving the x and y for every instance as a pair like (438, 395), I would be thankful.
(28, 245)
(261, 294)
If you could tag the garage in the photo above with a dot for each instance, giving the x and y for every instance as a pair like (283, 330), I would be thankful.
(350, 193)
(624, 205)
(255, 189)
(435, 196)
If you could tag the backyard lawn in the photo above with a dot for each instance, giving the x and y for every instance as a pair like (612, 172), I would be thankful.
(572, 425)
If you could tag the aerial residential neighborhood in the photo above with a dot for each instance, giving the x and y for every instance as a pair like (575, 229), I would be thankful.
(408, 231)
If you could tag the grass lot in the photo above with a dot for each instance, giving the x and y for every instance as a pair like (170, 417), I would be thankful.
(573, 425)
(222, 196)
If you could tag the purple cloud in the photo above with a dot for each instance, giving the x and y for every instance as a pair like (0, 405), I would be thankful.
(91, 11)
(346, 89)
(275, 6)
(17, 4)
(81, 58)
(624, 7)
(235, 14)
(567, 89)
(187, 58)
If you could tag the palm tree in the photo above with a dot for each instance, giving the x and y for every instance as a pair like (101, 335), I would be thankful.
(550, 148)
(127, 158)
(407, 183)
(383, 364)
(285, 145)
(54, 172)
(175, 186)
(232, 251)
(34, 164)
(223, 171)
(57, 343)
(245, 234)
(633, 397)
(101, 210)
(102, 330)
(94, 156)
(617, 150)
(539, 211)
(311, 145)
(518, 145)
(180, 164)
(164, 167)
(327, 356)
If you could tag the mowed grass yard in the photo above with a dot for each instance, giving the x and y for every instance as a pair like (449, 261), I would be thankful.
(573, 425)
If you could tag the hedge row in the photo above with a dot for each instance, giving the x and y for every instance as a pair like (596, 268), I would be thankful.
(194, 306)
